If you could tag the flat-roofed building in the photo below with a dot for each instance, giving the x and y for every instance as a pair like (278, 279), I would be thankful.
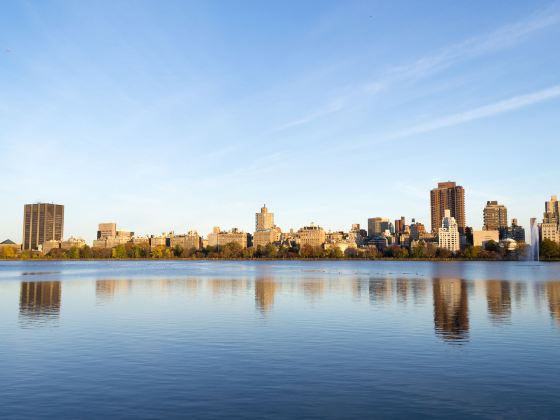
(495, 217)
(312, 235)
(448, 196)
(220, 238)
(482, 237)
(188, 241)
(108, 236)
(72, 242)
(377, 226)
(267, 236)
(42, 222)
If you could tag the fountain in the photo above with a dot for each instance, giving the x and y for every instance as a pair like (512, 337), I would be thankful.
(534, 239)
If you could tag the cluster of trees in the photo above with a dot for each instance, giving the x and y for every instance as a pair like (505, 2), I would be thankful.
(549, 250)
(492, 251)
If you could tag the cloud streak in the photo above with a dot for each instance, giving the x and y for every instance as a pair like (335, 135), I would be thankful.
(504, 37)
(332, 108)
(485, 111)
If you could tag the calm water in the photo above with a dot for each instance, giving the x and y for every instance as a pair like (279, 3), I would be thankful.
(279, 339)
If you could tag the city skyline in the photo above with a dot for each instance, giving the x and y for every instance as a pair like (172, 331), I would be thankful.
(158, 116)
(264, 223)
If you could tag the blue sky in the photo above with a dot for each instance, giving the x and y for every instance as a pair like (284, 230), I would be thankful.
(185, 115)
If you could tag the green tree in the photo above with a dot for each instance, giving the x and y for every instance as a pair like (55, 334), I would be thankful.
(491, 246)
(86, 252)
(178, 251)
(549, 249)
(118, 252)
(73, 253)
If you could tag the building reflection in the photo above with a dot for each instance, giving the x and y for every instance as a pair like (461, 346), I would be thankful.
(380, 290)
(264, 294)
(553, 296)
(498, 296)
(40, 301)
(313, 289)
(451, 309)
(107, 289)
(227, 287)
(402, 290)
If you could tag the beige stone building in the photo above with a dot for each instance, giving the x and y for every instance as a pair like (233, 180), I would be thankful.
(265, 230)
(220, 238)
(311, 235)
(264, 220)
(265, 237)
(188, 241)
(481, 237)
(50, 245)
(72, 242)
(108, 236)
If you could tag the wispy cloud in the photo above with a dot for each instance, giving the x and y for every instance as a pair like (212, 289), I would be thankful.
(485, 111)
(504, 37)
(333, 107)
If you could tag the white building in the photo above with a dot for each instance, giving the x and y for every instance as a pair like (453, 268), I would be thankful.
(448, 234)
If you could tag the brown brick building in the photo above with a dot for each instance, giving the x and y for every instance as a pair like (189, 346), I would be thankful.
(42, 222)
(448, 196)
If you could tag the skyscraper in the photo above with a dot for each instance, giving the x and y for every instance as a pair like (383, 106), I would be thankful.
(448, 196)
(42, 222)
(495, 217)
(264, 220)
(448, 233)
(377, 225)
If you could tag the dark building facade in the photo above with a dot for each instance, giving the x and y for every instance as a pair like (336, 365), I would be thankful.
(448, 196)
(42, 222)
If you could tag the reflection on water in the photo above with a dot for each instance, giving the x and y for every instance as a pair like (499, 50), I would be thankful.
(451, 309)
(339, 340)
(264, 294)
(39, 302)
(553, 293)
(498, 295)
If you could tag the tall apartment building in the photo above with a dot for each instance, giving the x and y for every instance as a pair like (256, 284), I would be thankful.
(265, 230)
(377, 226)
(448, 196)
(550, 227)
(495, 217)
(42, 222)
(448, 233)
(264, 220)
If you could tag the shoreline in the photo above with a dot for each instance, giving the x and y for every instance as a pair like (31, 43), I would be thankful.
(270, 259)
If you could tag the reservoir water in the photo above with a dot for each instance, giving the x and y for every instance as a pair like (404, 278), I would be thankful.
(325, 339)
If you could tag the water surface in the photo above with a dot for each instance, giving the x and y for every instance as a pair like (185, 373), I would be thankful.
(279, 339)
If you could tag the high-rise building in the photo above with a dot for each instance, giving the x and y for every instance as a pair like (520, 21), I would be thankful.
(264, 220)
(400, 225)
(552, 210)
(448, 196)
(377, 226)
(495, 217)
(516, 232)
(42, 222)
(448, 233)
(550, 227)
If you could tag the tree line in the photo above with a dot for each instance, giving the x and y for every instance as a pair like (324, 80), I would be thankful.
(491, 251)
